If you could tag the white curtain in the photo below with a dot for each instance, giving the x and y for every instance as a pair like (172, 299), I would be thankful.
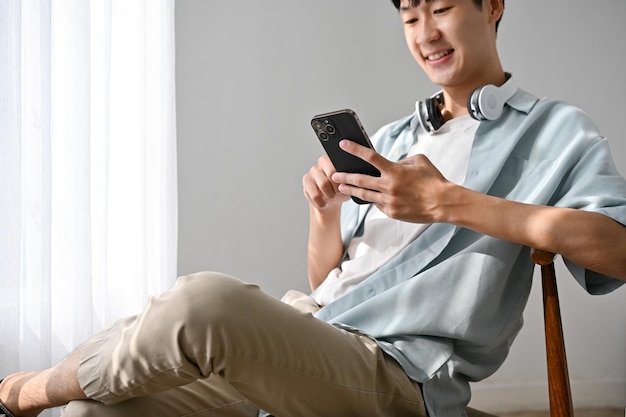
(88, 210)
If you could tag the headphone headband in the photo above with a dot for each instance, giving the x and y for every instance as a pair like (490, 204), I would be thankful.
(485, 103)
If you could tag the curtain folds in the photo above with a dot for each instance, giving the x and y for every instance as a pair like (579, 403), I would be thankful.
(88, 210)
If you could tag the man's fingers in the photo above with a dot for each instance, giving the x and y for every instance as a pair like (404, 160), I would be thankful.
(364, 153)
(317, 185)
(357, 180)
(326, 165)
(358, 192)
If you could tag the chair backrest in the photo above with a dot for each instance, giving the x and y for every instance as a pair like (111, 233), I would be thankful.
(558, 375)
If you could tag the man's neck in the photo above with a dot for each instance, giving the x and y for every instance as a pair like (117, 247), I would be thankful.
(455, 98)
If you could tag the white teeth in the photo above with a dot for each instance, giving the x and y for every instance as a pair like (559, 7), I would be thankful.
(437, 56)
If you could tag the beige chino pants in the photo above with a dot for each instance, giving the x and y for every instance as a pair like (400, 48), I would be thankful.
(215, 346)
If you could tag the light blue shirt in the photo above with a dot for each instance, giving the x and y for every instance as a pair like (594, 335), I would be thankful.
(448, 307)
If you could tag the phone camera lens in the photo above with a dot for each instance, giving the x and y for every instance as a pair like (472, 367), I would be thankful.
(317, 125)
(323, 136)
(330, 129)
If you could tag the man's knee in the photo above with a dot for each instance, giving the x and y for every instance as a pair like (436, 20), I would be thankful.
(212, 296)
(209, 284)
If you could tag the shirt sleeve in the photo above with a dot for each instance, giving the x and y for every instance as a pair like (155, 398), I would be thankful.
(595, 185)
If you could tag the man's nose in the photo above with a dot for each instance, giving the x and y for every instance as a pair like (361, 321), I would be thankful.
(427, 31)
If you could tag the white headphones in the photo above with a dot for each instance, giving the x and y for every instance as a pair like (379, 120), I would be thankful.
(484, 103)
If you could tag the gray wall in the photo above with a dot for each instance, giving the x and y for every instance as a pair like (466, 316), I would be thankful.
(250, 75)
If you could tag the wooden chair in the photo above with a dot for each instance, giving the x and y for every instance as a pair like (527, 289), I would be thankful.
(558, 376)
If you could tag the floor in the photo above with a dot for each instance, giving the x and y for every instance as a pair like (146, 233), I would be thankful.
(600, 412)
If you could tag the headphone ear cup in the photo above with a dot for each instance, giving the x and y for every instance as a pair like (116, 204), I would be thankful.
(434, 114)
(487, 102)
(490, 102)
(429, 114)
(422, 114)
(473, 106)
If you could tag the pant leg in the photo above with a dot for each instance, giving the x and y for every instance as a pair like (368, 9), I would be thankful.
(283, 360)
(210, 397)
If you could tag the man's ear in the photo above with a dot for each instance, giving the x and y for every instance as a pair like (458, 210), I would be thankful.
(496, 8)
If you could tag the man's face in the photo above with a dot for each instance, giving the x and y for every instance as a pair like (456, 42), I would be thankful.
(452, 40)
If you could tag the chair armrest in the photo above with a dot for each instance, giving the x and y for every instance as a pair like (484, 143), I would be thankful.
(541, 257)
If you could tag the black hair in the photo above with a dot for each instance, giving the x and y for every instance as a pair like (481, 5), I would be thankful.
(415, 3)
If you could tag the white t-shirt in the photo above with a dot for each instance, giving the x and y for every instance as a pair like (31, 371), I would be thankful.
(449, 150)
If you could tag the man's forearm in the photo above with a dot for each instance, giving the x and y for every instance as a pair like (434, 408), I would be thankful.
(325, 247)
(591, 240)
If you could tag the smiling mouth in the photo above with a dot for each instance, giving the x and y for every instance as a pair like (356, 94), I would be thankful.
(439, 55)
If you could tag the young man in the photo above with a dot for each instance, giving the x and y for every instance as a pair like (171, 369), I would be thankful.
(414, 295)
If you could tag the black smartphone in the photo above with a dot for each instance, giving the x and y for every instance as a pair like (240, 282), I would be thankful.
(330, 129)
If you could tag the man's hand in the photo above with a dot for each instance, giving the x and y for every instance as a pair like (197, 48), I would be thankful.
(410, 190)
(321, 192)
